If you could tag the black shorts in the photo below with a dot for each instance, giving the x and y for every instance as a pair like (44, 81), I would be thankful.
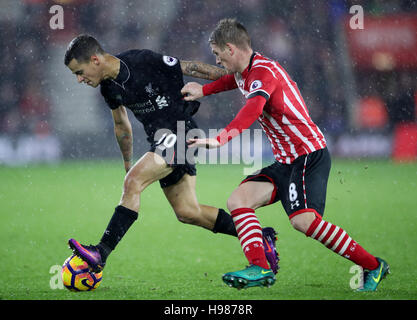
(301, 186)
(174, 149)
(177, 174)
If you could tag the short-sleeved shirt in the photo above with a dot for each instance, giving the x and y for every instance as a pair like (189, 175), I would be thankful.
(149, 84)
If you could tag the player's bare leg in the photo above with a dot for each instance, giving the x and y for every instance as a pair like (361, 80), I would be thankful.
(148, 169)
(183, 199)
(303, 221)
(251, 194)
(242, 204)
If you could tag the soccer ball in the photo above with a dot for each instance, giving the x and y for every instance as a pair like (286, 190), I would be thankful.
(76, 276)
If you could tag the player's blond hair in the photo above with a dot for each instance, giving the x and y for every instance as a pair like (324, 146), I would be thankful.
(230, 31)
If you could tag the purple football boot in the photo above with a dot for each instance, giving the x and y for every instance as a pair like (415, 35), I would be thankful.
(269, 237)
(89, 254)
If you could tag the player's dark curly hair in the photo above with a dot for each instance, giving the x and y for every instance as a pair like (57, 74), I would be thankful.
(230, 31)
(81, 48)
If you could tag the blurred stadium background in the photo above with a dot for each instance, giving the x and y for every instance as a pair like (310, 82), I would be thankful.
(359, 84)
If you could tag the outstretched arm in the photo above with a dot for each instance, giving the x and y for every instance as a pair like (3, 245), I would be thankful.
(193, 90)
(243, 120)
(124, 136)
(201, 70)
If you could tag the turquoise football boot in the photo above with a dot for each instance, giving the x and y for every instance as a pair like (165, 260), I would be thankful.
(252, 276)
(374, 277)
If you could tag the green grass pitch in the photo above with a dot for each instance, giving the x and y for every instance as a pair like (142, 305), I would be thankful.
(161, 258)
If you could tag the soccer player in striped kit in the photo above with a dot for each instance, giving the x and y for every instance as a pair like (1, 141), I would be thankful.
(298, 177)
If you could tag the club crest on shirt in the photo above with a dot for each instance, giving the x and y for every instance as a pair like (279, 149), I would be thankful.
(255, 85)
(150, 91)
(171, 61)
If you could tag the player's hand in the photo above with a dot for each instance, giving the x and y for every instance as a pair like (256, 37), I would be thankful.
(192, 91)
(206, 143)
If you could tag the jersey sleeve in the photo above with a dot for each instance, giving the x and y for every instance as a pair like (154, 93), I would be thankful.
(110, 99)
(227, 82)
(261, 82)
(243, 120)
(162, 63)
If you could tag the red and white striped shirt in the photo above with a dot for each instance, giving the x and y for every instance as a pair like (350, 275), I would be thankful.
(274, 100)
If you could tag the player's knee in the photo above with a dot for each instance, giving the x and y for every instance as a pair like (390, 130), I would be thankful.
(132, 185)
(188, 214)
(303, 221)
(235, 202)
(297, 225)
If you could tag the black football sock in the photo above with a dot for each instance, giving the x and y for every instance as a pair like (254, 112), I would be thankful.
(224, 224)
(104, 250)
(119, 223)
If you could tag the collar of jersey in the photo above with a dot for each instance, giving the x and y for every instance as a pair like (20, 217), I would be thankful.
(246, 71)
(123, 75)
